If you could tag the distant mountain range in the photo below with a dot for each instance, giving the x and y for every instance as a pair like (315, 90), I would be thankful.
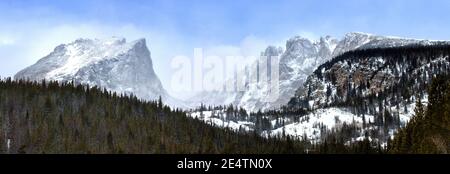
(127, 68)
(366, 93)
(366, 81)
(300, 58)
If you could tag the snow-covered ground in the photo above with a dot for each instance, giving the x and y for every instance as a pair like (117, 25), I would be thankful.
(207, 116)
(311, 125)
(308, 125)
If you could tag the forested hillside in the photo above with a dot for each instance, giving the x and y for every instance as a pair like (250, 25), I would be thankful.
(48, 117)
(429, 129)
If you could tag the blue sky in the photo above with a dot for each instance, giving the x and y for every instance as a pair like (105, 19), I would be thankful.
(31, 29)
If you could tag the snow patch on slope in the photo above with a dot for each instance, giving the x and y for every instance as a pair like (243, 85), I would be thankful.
(207, 117)
(310, 125)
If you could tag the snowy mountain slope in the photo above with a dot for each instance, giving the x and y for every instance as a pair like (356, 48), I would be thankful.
(373, 72)
(299, 59)
(367, 92)
(124, 67)
(213, 118)
(384, 83)
(313, 126)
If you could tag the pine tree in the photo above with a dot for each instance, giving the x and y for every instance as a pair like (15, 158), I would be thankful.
(160, 103)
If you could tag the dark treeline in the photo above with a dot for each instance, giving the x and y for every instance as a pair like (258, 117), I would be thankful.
(49, 117)
(429, 129)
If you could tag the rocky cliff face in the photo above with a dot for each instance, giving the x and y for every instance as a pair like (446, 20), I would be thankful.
(364, 93)
(379, 72)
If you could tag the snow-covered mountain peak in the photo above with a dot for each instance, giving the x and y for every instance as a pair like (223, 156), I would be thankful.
(325, 39)
(272, 51)
(105, 43)
(84, 43)
(328, 42)
(298, 42)
(298, 60)
(351, 41)
(114, 41)
(139, 42)
(67, 59)
(358, 34)
(112, 63)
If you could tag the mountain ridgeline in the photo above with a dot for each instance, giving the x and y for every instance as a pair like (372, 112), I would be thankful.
(398, 73)
(429, 129)
(392, 74)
